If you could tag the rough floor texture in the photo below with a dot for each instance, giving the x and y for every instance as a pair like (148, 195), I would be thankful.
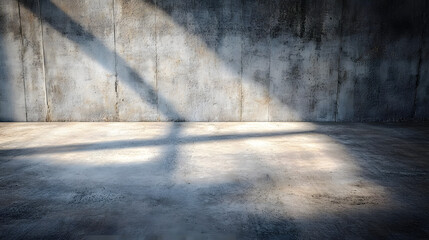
(214, 60)
(214, 181)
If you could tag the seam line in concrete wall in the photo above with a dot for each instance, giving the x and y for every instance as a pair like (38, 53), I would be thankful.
(339, 62)
(22, 59)
(241, 62)
(48, 109)
(419, 63)
(156, 63)
(269, 63)
(116, 62)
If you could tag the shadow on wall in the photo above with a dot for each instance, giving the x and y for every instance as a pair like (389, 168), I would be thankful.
(318, 60)
(96, 50)
(232, 61)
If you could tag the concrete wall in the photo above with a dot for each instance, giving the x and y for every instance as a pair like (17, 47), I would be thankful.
(214, 60)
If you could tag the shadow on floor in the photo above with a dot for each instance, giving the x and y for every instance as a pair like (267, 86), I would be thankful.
(258, 199)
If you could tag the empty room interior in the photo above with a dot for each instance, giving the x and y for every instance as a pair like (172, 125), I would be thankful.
(214, 119)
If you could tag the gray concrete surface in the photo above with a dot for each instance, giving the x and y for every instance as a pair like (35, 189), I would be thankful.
(214, 181)
(169, 60)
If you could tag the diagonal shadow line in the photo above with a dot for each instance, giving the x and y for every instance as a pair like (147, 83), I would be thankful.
(62, 22)
(171, 140)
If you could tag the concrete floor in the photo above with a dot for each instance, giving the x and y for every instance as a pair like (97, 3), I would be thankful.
(214, 181)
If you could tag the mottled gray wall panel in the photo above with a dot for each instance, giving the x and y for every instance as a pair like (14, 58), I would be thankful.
(12, 98)
(422, 91)
(34, 78)
(379, 60)
(256, 60)
(136, 51)
(175, 58)
(225, 73)
(304, 60)
(80, 61)
(198, 45)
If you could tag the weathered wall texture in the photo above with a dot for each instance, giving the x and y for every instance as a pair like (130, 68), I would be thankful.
(223, 60)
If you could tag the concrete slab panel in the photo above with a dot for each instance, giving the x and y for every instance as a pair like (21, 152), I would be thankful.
(256, 60)
(136, 47)
(379, 59)
(79, 60)
(12, 92)
(304, 60)
(34, 75)
(422, 88)
(198, 59)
